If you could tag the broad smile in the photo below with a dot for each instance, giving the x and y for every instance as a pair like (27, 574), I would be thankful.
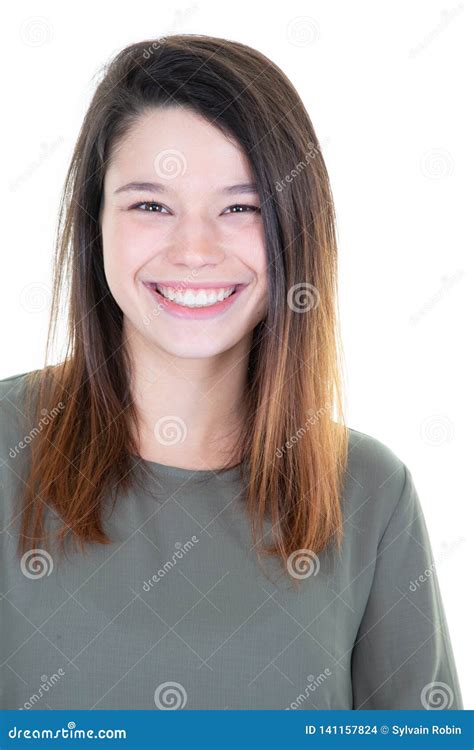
(196, 303)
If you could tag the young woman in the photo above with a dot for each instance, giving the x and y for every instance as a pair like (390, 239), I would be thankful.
(188, 523)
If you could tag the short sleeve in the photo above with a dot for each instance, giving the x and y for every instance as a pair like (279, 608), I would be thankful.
(402, 657)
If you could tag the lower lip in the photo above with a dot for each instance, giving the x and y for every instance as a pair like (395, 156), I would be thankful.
(196, 313)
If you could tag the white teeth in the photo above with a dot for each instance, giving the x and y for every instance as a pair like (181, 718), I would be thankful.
(197, 297)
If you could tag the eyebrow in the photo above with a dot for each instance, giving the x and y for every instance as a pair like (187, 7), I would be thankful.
(158, 187)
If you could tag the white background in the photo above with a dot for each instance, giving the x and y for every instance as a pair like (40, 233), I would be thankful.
(388, 87)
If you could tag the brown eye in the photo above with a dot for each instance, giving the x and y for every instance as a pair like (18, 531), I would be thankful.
(150, 207)
(243, 208)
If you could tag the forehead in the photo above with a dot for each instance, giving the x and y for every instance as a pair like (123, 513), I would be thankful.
(200, 152)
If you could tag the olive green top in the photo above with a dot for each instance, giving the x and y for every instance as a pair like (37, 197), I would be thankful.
(177, 613)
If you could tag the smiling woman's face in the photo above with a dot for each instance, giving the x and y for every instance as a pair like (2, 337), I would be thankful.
(193, 226)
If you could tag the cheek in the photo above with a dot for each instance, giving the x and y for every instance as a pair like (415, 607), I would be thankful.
(253, 256)
(251, 242)
(124, 254)
(261, 271)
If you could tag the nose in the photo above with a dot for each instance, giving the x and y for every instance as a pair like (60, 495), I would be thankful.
(195, 242)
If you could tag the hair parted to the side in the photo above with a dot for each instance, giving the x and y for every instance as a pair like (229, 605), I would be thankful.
(86, 452)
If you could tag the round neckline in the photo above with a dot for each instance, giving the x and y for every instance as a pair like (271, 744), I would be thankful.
(181, 473)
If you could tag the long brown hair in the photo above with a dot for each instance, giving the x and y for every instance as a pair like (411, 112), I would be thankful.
(294, 446)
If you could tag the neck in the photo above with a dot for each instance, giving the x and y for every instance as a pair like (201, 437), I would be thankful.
(190, 410)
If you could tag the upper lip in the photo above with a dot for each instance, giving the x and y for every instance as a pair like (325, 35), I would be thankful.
(196, 284)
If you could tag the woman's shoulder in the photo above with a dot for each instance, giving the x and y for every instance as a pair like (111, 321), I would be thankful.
(13, 390)
(13, 383)
(16, 435)
(13, 417)
(372, 458)
(375, 482)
